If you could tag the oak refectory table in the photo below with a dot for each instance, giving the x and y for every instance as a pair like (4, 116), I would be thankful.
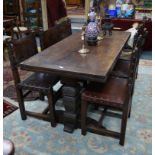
(64, 60)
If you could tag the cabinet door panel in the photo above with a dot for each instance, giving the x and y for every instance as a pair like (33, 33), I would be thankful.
(32, 13)
(77, 2)
(11, 7)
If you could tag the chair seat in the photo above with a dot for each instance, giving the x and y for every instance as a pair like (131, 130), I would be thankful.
(122, 69)
(127, 55)
(112, 93)
(21, 28)
(39, 81)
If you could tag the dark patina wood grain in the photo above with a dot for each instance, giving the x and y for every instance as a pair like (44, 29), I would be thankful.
(63, 58)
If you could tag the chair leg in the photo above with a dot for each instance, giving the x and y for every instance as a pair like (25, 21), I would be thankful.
(132, 84)
(51, 108)
(131, 87)
(21, 103)
(130, 106)
(83, 117)
(123, 126)
(136, 72)
(41, 96)
(129, 114)
(137, 63)
(16, 34)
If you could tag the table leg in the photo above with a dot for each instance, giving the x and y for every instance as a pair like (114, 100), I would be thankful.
(71, 101)
(71, 114)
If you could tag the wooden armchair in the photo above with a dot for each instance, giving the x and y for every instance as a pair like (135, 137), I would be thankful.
(22, 49)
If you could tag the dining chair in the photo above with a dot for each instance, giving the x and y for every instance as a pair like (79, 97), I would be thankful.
(49, 37)
(8, 23)
(144, 37)
(125, 70)
(141, 28)
(107, 96)
(21, 28)
(128, 53)
(126, 66)
(140, 46)
(55, 34)
(64, 28)
(20, 50)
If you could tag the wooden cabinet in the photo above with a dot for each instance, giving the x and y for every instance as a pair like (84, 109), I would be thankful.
(32, 13)
(73, 2)
(11, 7)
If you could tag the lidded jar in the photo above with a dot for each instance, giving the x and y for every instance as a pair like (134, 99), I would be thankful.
(91, 33)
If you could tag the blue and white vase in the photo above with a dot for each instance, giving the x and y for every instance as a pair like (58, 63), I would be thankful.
(91, 33)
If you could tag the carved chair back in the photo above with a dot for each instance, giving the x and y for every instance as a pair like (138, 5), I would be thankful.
(139, 42)
(141, 29)
(137, 46)
(20, 50)
(49, 37)
(55, 34)
(64, 28)
(144, 36)
(135, 40)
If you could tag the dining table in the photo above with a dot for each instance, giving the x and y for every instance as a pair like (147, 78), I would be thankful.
(63, 59)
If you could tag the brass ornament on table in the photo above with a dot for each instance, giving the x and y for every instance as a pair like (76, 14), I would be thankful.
(83, 50)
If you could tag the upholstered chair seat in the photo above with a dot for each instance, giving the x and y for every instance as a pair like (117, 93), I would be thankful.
(21, 28)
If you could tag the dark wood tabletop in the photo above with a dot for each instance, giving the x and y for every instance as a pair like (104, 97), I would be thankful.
(63, 58)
